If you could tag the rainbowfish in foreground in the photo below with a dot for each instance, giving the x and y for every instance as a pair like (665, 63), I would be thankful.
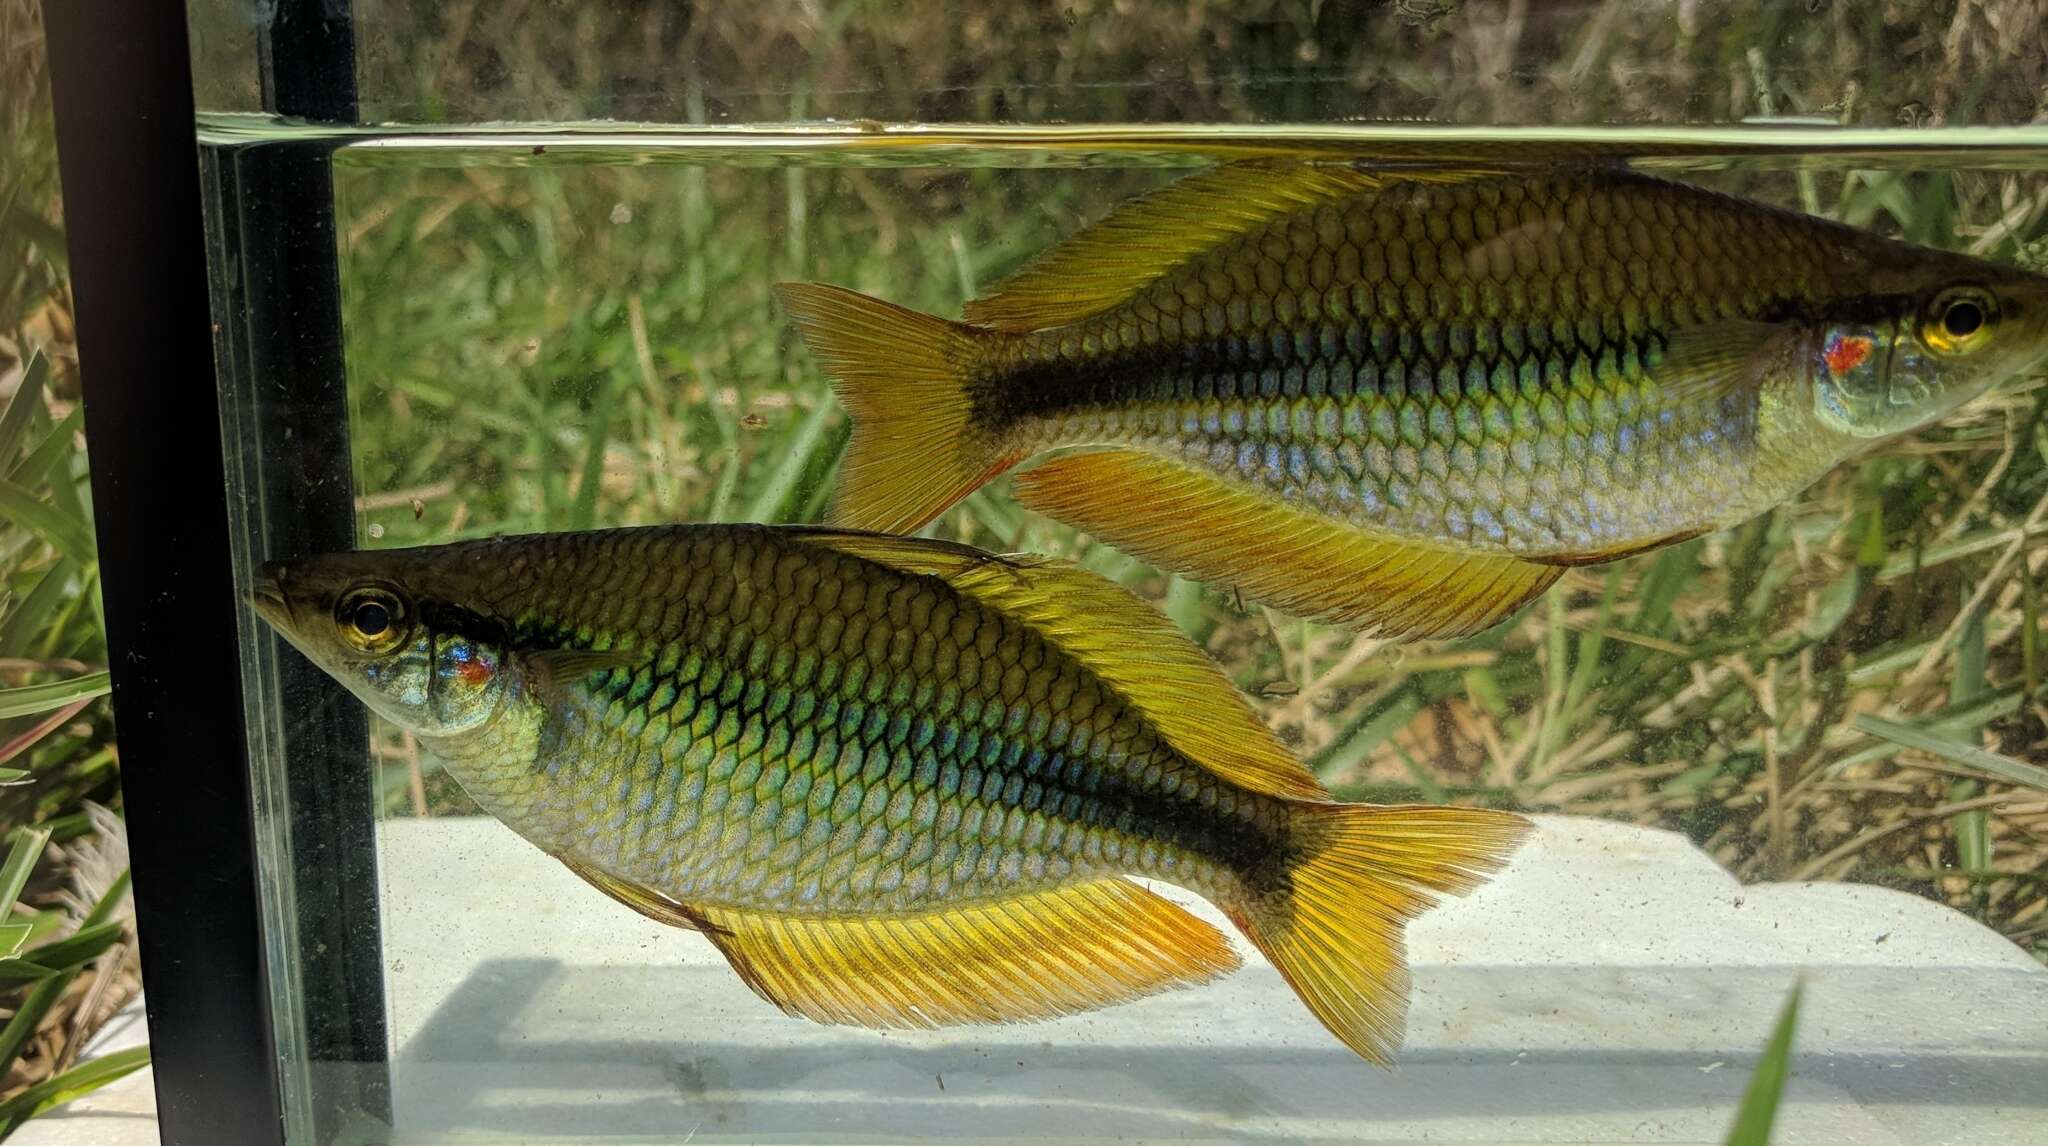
(899, 783)
(1406, 400)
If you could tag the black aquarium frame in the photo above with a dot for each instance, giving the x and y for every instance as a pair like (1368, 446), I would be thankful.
(135, 210)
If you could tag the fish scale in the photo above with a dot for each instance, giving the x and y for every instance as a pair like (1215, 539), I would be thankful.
(896, 782)
(1404, 400)
(912, 698)
(1349, 364)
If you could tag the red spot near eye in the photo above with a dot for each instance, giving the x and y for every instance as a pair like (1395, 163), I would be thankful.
(1844, 354)
(474, 671)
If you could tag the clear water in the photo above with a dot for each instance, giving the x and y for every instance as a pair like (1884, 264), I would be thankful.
(569, 325)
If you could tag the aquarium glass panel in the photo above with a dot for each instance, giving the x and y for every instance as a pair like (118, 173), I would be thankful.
(1526, 443)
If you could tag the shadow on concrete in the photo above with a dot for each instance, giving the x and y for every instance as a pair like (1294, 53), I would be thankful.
(529, 1047)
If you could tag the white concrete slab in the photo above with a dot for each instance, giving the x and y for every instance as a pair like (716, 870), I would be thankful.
(1613, 985)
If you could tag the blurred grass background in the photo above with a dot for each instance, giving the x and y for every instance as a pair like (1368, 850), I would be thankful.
(67, 952)
(543, 343)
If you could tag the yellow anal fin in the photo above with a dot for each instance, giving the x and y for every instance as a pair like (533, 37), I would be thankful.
(1335, 931)
(1297, 561)
(651, 903)
(1124, 641)
(1035, 956)
(1145, 237)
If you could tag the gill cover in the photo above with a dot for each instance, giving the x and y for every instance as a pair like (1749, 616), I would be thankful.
(1874, 380)
(374, 638)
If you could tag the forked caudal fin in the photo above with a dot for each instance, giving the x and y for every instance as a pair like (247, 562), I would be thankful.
(1334, 929)
(903, 376)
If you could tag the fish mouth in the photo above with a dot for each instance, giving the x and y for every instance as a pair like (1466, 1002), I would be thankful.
(266, 594)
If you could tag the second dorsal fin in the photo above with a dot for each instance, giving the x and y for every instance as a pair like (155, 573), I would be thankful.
(1147, 236)
(1121, 639)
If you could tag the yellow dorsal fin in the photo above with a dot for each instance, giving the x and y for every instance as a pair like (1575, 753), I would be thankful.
(1145, 237)
(1124, 641)
(1297, 561)
(1034, 956)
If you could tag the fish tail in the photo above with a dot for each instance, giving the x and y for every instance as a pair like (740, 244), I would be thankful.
(1332, 926)
(903, 376)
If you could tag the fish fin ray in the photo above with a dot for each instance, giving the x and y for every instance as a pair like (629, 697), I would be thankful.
(1033, 956)
(903, 376)
(1127, 643)
(567, 666)
(1143, 238)
(1708, 362)
(653, 904)
(1300, 562)
(1334, 931)
(1617, 552)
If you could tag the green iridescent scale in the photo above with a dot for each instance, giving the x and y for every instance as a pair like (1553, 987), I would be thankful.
(805, 730)
(1402, 400)
(1474, 363)
(897, 782)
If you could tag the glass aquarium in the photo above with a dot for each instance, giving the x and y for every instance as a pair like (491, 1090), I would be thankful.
(510, 268)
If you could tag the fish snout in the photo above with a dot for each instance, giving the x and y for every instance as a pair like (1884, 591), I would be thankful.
(266, 594)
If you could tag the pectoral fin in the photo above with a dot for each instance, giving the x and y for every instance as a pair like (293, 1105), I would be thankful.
(563, 666)
(651, 903)
(1705, 363)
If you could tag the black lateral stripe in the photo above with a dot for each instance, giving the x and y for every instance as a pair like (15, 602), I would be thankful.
(1236, 367)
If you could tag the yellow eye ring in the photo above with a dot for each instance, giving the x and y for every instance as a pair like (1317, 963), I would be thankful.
(372, 619)
(1959, 321)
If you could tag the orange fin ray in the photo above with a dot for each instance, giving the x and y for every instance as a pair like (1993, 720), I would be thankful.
(1297, 561)
(1034, 956)
(1131, 646)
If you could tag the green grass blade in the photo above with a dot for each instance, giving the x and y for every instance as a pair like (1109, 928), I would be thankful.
(67, 534)
(583, 512)
(1348, 750)
(21, 860)
(28, 1017)
(75, 1083)
(70, 953)
(1962, 755)
(771, 504)
(1766, 1088)
(29, 621)
(34, 698)
(28, 398)
(56, 446)
(28, 738)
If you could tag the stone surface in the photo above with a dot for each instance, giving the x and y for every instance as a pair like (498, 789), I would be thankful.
(1612, 985)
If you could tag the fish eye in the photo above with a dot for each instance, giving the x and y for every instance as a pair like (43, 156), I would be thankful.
(1959, 320)
(371, 619)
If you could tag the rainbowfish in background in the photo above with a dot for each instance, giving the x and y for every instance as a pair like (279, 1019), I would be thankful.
(898, 783)
(1406, 400)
